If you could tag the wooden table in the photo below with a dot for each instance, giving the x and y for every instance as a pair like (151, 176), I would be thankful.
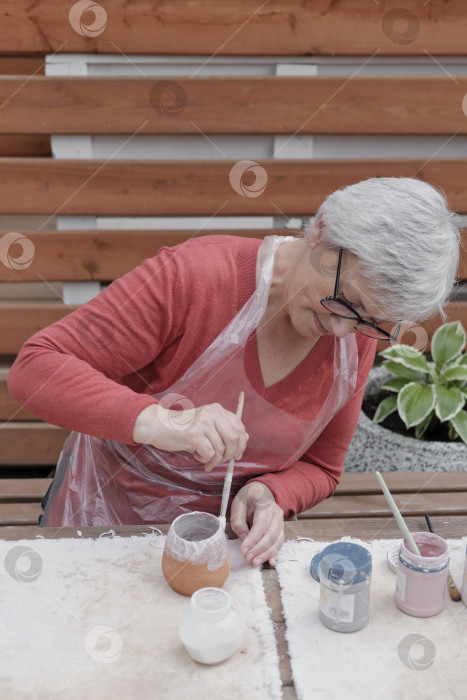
(357, 509)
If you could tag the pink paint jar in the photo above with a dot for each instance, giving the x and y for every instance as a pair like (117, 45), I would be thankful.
(421, 580)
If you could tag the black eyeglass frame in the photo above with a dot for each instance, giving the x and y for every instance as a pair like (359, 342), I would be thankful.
(359, 319)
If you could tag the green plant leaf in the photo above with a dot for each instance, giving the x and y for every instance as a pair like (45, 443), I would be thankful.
(459, 383)
(463, 360)
(447, 343)
(395, 384)
(407, 356)
(415, 402)
(449, 401)
(417, 362)
(460, 424)
(455, 372)
(421, 428)
(385, 408)
(401, 370)
(398, 350)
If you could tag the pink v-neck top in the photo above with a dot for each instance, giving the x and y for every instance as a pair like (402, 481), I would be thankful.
(95, 370)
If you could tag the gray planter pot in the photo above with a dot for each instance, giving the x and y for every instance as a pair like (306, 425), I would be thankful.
(375, 448)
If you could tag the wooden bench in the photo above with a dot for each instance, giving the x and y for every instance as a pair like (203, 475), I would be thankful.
(276, 106)
(441, 494)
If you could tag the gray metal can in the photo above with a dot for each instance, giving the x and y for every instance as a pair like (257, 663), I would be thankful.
(345, 579)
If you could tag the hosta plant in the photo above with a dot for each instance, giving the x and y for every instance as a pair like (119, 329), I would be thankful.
(424, 392)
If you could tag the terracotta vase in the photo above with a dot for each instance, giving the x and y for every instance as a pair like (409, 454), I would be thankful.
(196, 553)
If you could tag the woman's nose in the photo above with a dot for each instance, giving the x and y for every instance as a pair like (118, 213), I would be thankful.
(342, 326)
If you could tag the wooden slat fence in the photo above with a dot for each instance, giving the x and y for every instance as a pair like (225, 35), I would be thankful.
(33, 107)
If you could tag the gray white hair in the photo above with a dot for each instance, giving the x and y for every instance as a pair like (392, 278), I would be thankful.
(406, 239)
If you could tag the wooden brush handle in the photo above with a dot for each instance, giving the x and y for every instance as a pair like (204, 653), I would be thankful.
(453, 590)
(230, 467)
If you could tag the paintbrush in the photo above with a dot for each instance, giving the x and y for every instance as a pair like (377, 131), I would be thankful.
(399, 519)
(452, 588)
(230, 468)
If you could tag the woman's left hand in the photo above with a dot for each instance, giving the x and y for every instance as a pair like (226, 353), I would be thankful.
(255, 503)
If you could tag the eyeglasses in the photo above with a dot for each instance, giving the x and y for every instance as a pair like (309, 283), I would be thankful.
(342, 308)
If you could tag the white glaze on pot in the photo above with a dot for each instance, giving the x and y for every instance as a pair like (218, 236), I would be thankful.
(199, 538)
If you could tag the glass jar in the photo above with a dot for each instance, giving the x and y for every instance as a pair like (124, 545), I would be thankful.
(196, 554)
(345, 578)
(421, 580)
(210, 629)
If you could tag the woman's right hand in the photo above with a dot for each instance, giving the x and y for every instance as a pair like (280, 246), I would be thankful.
(212, 433)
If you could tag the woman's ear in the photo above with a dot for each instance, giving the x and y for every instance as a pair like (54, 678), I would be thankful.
(316, 233)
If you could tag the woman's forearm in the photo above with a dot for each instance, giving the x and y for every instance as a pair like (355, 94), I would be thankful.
(64, 390)
(147, 423)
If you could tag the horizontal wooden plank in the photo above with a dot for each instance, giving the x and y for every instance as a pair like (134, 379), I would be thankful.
(23, 320)
(33, 490)
(233, 105)
(369, 505)
(402, 482)
(23, 490)
(19, 513)
(455, 311)
(351, 484)
(19, 321)
(10, 408)
(25, 146)
(276, 27)
(31, 443)
(106, 255)
(165, 187)
(318, 529)
(331, 529)
(103, 255)
(26, 490)
(31, 291)
(22, 65)
(440, 484)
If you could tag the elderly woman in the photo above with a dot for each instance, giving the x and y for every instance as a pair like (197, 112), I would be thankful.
(147, 374)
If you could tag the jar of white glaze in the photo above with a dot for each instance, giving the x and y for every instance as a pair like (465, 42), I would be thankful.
(345, 578)
(210, 629)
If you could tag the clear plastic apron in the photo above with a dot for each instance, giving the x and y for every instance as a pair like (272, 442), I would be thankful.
(104, 482)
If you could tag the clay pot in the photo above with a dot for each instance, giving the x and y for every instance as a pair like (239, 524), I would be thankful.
(196, 553)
